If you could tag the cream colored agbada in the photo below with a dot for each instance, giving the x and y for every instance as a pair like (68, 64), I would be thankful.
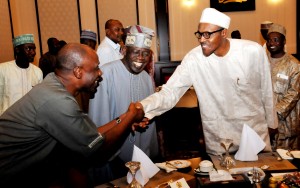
(232, 90)
(15, 82)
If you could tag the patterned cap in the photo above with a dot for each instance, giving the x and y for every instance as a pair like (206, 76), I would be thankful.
(23, 39)
(139, 36)
(88, 34)
(277, 28)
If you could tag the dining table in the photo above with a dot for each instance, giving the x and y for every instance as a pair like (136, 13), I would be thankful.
(161, 179)
(196, 180)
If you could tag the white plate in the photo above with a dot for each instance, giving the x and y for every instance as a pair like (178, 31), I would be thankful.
(180, 163)
(296, 154)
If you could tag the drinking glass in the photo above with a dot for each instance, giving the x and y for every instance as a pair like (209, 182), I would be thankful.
(227, 161)
(133, 166)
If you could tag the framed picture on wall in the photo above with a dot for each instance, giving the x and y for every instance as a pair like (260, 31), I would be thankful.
(233, 5)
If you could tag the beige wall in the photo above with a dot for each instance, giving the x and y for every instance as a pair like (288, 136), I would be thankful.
(59, 19)
(183, 19)
(6, 47)
(24, 21)
(88, 15)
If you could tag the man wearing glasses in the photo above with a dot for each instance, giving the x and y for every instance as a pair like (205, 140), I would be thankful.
(232, 81)
(17, 77)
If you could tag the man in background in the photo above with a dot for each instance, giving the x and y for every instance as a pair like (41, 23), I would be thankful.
(89, 38)
(236, 34)
(264, 27)
(48, 60)
(285, 71)
(19, 76)
(232, 81)
(109, 48)
(125, 81)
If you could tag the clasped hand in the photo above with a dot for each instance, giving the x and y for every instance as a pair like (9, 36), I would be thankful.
(140, 120)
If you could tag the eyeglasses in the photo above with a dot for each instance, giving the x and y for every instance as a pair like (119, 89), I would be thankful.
(206, 34)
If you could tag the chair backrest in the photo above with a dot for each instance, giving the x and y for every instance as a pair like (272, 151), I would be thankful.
(163, 70)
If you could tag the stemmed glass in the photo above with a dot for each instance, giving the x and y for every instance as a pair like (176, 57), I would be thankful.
(133, 166)
(227, 160)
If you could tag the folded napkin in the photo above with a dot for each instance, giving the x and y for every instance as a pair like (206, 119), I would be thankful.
(219, 175)
(283, 153)
(250, 145)
(166, 167)
(179, 183)
(147, 169)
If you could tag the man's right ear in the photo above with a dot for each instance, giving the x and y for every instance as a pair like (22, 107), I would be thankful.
(77, 72)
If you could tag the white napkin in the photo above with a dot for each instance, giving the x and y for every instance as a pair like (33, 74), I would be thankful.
(219, 175)
(250, 145)
(166, 167)
(283, 154)
(147, 170)
(179, 183)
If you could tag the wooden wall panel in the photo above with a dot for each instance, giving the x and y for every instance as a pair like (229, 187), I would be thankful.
(124, 11)
(58, 18)
(6, 46)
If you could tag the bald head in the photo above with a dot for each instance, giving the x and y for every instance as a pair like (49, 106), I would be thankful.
(109, 23)
(78, 68)
(72, 55)
(114, 30)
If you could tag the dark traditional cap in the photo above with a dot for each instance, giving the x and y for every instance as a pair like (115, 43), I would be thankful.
(88, 34)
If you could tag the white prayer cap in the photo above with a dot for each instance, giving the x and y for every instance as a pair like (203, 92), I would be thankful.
(139, 36)
(215, 17)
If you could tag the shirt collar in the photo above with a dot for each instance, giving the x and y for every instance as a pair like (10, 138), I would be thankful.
(112, 43)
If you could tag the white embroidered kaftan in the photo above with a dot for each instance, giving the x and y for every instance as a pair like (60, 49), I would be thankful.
(15, 82)
(232, 90)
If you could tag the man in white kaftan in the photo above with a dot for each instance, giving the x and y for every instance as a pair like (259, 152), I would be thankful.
(109, 48)
(17, 77)
(232, 80)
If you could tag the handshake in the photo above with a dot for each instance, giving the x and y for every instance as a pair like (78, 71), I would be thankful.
(136, 110)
